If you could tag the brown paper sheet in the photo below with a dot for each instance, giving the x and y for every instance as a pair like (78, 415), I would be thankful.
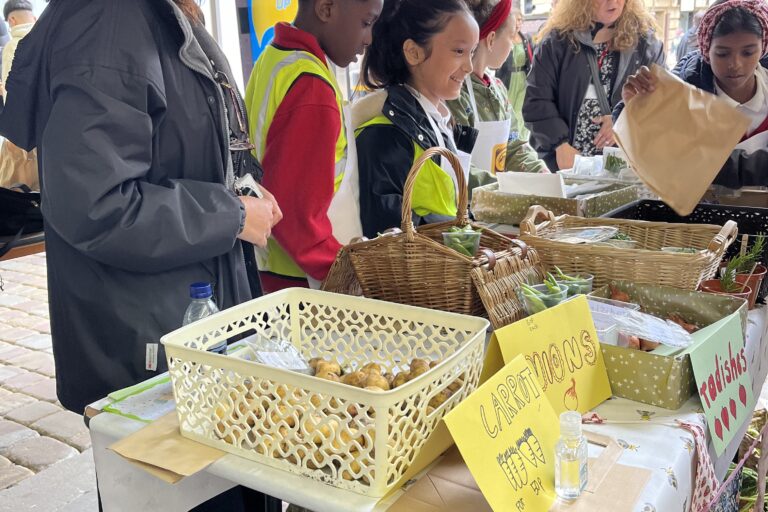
(160, 450)
(678, 138)
(447, 486)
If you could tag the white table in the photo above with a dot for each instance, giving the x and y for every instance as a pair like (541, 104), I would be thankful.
(648, 434)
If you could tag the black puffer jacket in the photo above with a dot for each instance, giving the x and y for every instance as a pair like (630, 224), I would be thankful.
(132, 139)
(559, 81)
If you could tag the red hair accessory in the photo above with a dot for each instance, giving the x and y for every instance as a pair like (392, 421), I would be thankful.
(499, 15)
(712, 16)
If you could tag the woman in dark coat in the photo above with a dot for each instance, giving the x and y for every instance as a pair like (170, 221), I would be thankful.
(565, 111)
(136, 177)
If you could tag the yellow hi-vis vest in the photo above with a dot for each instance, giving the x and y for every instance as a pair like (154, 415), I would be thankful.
(273, 75)
(433, 191)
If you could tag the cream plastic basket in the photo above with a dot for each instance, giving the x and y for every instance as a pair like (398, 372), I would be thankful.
(344, 436)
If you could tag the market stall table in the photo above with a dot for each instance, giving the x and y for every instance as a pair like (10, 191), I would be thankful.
(649, 435)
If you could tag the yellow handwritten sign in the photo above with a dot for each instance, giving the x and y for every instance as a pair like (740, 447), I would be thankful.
(506, 432)
(561, 346)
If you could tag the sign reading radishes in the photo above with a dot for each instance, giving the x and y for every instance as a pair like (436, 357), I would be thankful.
(722, 379)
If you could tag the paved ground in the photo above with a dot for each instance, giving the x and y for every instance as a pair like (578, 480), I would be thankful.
(45, 457)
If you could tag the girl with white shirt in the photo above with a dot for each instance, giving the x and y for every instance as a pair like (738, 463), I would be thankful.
(733, 37)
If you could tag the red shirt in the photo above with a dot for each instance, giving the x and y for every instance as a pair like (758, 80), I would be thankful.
(300, 161)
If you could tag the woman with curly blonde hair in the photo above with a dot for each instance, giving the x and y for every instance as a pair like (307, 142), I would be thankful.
(588, 50)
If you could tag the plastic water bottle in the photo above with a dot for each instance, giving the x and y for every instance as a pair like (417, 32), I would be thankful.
(202, 305)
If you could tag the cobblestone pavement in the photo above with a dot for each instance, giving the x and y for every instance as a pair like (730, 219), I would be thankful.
(45, 458)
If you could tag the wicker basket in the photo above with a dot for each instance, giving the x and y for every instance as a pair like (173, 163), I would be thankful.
(646, 264)
(344, 436)
(413, 266)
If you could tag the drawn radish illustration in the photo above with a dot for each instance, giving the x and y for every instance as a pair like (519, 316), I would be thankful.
(571, 399)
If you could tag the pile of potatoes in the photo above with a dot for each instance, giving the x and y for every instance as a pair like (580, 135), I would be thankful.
(372, 378)
(276, 420)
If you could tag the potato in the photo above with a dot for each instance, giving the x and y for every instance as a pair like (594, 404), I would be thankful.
(416, 363)
(648, 345)
(372, 368)
(314, 362)
(328, 367)
(390, 379)
(356, 379)
(377, 381)
(432, 364)
(328, 376)
(419, 370)
(400, 379)
(354, 467)
(455, 385)
(318, 432)
(282, 414)
(439, 399)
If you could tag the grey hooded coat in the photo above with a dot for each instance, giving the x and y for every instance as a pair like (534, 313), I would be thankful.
(132, 134)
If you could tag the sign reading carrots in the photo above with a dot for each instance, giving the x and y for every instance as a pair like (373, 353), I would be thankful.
(561, 346)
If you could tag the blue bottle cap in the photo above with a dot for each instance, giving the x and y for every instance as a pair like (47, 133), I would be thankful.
(200, 291)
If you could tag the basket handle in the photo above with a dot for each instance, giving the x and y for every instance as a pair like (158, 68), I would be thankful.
(724, 238)
(410, 182)
(490, 255)
(521, 245)
(528, 224)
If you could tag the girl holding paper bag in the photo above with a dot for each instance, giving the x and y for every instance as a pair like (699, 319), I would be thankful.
(588, 51)
(483, 102)
(733, 36)
(420, 55)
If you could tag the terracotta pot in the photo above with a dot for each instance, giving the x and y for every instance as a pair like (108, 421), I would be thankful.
(753, 282)
(713, 286)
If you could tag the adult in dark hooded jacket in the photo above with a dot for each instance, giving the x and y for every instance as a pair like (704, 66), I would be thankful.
(562, 108)
(135, 174)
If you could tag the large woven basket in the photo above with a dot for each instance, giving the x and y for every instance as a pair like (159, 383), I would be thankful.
(645, 264)
(413, 266)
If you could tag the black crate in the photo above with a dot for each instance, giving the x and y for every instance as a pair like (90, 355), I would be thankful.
(751, 221)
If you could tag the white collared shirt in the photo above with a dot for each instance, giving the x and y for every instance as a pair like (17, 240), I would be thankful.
(757, 107)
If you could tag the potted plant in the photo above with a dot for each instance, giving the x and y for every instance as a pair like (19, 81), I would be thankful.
(751, 270)
(727, 284)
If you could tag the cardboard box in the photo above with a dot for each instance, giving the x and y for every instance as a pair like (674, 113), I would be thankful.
(664, 377)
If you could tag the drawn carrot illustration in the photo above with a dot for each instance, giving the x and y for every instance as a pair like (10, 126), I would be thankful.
(571, 399)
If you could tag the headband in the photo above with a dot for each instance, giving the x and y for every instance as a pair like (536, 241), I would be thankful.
(499, 15)
(712, 17)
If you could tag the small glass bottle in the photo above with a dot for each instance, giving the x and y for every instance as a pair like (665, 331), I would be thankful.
(570, 457)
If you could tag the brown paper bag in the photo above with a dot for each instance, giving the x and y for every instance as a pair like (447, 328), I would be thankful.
(160, 450)
(678, 138)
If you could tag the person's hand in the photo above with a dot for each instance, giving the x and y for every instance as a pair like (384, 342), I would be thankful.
(258, 220)
(565, 154)
(642, 82)
(605, 136)
(277, 214)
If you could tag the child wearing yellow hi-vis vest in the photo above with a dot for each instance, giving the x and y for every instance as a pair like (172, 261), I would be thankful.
(297, 125)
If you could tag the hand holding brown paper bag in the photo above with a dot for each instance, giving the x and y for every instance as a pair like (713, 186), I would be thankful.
(677, 139)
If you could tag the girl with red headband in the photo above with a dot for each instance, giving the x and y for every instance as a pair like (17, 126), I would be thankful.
(421, 53)
(483, 102)
(733, 36)
(589, 49)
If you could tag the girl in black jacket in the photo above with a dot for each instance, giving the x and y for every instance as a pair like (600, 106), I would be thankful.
(733, 36)
(588, 51)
